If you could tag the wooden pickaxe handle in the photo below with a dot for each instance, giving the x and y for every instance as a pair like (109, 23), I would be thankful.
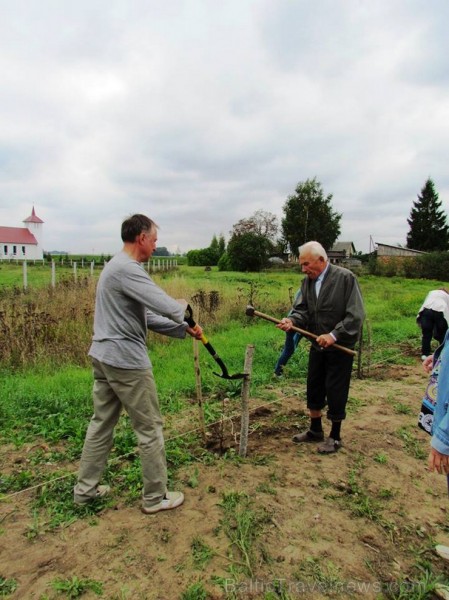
(252, 312)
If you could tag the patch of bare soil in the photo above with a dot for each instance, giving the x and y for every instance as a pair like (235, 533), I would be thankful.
(349, 525)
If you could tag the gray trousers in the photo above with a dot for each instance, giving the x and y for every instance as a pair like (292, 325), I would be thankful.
(134, 390)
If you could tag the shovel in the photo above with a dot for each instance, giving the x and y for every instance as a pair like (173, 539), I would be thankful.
(224, 371)
(252, 312)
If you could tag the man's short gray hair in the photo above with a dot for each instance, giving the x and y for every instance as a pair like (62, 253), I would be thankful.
(313, 248)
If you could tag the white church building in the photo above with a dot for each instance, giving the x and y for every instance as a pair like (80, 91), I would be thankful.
(22, 243)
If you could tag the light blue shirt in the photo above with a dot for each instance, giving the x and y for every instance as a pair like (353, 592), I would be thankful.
(318, 282)
(440, 426)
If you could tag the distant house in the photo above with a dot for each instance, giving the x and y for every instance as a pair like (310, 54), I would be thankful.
(341, 252)
(23, 243)
(385, 252)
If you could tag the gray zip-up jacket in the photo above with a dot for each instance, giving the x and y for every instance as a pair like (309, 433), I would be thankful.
(128, 302)
(338, 309)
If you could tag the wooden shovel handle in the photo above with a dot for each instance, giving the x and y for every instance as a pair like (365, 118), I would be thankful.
(309, 334)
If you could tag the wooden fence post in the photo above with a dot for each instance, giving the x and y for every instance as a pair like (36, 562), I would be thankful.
(199, 390)
(360, 355)
(244, 426)
(25, 275)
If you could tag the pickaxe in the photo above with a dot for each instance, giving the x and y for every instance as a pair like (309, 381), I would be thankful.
(224, 371)
(252, 312)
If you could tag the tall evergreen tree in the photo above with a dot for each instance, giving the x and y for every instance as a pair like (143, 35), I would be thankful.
(309, 216)
(213, 247)
(429, 230)
(221, 245)
(207, 257)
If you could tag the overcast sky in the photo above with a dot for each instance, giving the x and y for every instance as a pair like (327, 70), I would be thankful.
(200, 112)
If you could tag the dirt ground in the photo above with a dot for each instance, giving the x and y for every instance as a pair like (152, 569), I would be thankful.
(350, 525)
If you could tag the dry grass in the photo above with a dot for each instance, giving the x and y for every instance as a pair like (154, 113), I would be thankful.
(53, 326)
(47, 325)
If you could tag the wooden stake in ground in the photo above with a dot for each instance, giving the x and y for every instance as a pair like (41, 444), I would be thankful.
(245, 397)
(199, 389)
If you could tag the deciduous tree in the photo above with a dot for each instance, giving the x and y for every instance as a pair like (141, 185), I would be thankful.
(309, 216)
(262, 223)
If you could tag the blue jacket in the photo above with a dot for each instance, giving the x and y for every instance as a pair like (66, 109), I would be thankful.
(440, 427)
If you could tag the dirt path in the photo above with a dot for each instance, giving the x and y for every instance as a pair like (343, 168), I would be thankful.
(349, 525)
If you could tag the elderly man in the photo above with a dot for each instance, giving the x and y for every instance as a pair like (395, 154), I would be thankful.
(128, 302)
(331, 307)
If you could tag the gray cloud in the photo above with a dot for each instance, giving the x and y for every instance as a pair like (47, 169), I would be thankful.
(200, 113)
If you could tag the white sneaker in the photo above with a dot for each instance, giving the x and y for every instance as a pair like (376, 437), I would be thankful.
(170, 500)
(442, 551)
(441, 591)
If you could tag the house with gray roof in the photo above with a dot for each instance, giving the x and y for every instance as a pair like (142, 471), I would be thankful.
(341, 252)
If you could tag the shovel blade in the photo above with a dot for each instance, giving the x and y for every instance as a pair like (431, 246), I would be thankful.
(227, 376)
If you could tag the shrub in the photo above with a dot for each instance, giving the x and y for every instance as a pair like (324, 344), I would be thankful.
(224, 264)
(249, 252)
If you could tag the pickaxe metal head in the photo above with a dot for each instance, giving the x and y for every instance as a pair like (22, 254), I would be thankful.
(250, 310)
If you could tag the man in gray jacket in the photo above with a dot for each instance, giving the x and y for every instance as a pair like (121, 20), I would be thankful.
(331, 307)
(128, 302)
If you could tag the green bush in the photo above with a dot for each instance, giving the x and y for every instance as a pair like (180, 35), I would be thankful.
(224, 264)
(433, 265)
(249, 252)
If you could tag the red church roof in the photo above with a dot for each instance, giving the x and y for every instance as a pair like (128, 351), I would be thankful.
(33, 218)
(17, 235)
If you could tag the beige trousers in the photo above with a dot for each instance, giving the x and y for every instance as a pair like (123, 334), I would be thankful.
(134, 390)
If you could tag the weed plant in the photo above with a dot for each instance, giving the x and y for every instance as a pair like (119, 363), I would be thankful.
(195, 591)
(413, 445)
(242, 524)
(201, 553)
(7, 586)
(421, 588)
(278, 591)
(322, 575)
(75, 587)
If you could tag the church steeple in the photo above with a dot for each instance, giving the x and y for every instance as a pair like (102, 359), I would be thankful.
(33, 218)
(35, 225)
